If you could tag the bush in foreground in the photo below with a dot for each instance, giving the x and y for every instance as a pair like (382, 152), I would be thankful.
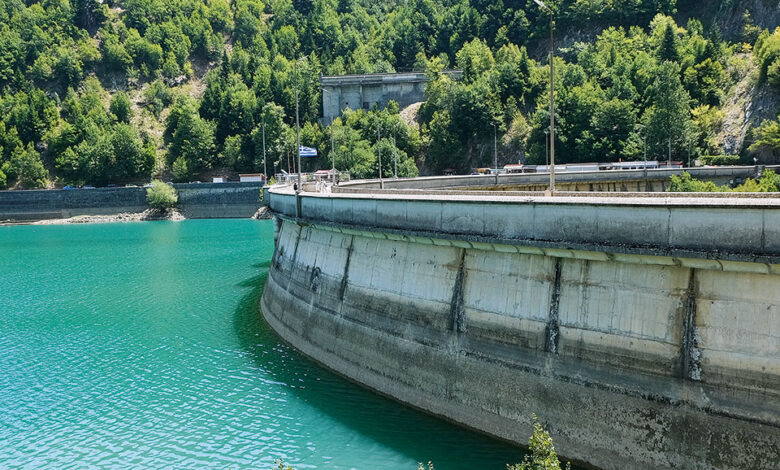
(161, 196)
(542, 456)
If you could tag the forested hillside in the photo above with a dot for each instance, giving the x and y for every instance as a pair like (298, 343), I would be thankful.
(119, 91)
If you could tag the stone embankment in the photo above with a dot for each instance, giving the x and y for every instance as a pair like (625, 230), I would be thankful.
(145, 216)
(644, 331)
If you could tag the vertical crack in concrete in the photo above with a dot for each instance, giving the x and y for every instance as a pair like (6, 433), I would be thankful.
(690, 356)
(552, 330)
(345, 278)
(456, 306)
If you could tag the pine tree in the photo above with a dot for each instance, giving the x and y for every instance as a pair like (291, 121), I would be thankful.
(668, 48)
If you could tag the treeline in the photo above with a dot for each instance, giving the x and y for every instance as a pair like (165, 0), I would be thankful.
(83, 83)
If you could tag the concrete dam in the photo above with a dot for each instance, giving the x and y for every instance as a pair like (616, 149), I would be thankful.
(643, 331)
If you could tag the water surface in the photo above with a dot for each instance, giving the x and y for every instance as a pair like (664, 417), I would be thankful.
(142, 346)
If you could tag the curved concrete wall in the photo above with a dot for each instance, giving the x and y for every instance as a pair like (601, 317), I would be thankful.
(644, 332)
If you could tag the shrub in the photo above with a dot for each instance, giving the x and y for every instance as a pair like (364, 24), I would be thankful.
(121, 107)
(180, 171)
(161, 196)
(543, 456)
(719, 159)
(3, 182)
(687, 184)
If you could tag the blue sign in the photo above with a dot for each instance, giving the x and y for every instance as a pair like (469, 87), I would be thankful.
(307, 151)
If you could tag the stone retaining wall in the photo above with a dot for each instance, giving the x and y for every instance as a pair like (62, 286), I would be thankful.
(205, 200)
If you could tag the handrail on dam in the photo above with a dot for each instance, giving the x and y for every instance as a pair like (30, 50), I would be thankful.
(465, 181)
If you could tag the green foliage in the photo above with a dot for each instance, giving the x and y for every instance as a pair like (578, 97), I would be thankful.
(27, 168)
(719, 159)
(767, 53)
(121, 107)
(644, 79)
(180, 171)
(767, 135)
(281, 466)
(769, 181)
(3, 180)
(161, 196)
(192, 139)
(543, 456)
(157, 96)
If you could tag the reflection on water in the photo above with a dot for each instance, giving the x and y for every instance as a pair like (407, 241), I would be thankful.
(142, 345)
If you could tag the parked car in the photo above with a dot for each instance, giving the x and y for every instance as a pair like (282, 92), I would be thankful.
(69, 187)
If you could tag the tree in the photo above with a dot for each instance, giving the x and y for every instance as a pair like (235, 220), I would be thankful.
(161, 196)
(27, 168)
(180, 172)
(668, 117)
(767, 136)
(121, 107)
(194, 141)
(542, 456)
(668, 48)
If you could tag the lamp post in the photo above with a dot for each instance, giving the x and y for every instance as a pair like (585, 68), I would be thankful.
(552, 100)
(395, 158)
(379, 157)
(495, 151)
(298, 126)
(265, 167)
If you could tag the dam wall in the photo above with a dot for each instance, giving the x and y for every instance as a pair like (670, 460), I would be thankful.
(644, 332)
(202, 200)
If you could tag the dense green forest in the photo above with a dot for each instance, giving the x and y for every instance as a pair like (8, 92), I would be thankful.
(120, 91)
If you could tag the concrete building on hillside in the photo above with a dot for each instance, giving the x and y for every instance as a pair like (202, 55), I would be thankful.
(365, 91)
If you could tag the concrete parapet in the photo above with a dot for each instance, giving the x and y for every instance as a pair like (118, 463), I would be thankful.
(644, 331)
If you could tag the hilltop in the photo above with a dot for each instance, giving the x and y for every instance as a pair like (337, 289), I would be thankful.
(115, 92)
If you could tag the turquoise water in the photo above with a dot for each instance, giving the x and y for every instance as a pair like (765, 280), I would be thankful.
(142, 346)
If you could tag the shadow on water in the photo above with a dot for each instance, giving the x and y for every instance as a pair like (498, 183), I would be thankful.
(409, 432)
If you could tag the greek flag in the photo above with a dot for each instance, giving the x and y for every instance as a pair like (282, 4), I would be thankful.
(307, 151)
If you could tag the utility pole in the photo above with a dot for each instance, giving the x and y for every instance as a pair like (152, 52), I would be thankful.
(670, 152)
(298, 126)
(265, 167)
(298, 141)
(395, 158)
(379, 156)
(495, 151)
(332, 150)
(552, 100)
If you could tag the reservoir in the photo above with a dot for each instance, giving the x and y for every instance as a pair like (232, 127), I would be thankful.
(142, 346)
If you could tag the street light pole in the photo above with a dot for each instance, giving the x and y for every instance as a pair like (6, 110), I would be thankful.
(552, 99)
(298, 125)
(395, 158)
(379, 156)
(265, 167)
(298, 142)
(495, 151)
